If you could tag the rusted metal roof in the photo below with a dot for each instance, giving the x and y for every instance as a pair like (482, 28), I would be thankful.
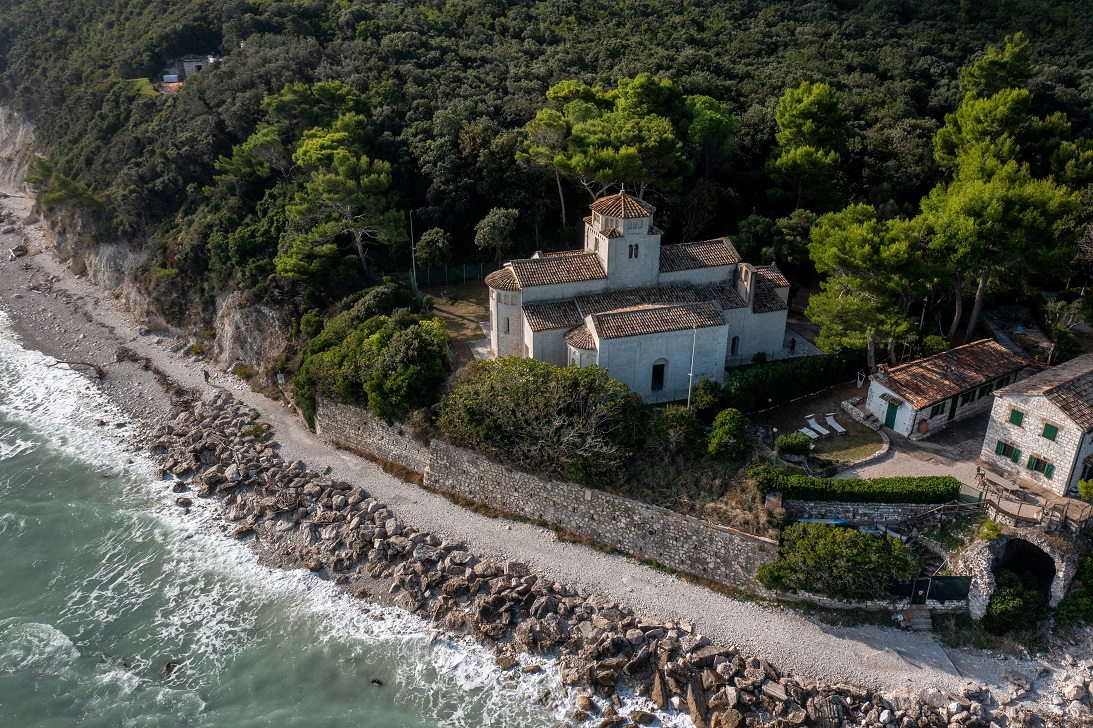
(704, 254)
(928, 381)
(555, 269)
(1069, 386)
(581, 338)
(651, 319)
(622, 205)
(503, 280)
(552, 315)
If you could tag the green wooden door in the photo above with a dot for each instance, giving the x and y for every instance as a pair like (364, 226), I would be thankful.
(890, 416)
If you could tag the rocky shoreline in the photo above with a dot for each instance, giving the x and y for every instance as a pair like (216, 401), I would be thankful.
(297, 517)
(301, 518)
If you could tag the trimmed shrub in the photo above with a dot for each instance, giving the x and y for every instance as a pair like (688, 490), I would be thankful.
(1085, 490)
(758, 387)
(793, 443)
(925, 489)
(728, 439)
(837, 562)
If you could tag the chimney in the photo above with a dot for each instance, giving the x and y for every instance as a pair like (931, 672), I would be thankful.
(882, 372)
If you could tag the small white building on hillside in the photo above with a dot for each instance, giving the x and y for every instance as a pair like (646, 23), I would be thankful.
(640, 309)
(921, 397)
(1041, 428)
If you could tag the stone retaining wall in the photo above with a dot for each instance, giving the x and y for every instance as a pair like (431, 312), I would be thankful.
(866, 512)
(644, 531)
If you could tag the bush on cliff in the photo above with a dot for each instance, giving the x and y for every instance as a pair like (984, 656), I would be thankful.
(924, 489)
(565, 421)
(728, 439)
(390, 359)
(837, 562)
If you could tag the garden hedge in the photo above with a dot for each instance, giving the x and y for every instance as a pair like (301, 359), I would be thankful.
(924, 489)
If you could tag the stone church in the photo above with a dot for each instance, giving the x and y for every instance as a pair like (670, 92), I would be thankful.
(642, 310)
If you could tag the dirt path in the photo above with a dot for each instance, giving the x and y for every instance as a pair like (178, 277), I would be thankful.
(87, 323)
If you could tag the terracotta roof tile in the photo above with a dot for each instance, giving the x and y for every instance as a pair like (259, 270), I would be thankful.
(622, 205)
(723, 295)
(773, 275)
(552, 315)
(588, 220)
(766, 298)
(1069, 386)
(611, 232)
(503, 280)
(650, 319)
(931, 380)
(704, 254)
(581, 338)
(554, 269)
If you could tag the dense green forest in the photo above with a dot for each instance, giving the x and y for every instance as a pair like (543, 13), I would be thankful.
(288, 168)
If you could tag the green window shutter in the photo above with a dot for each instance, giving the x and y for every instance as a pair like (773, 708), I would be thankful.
(1017, 417)
(1016, 455)
(1050, 431)
(998, 447)
(1049, 470)
(1031, 460)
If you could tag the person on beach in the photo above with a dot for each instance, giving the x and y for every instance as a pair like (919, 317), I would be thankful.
(205, 373)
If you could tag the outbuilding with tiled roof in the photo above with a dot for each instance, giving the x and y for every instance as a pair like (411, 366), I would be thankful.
(1041, 427)
(919, 398)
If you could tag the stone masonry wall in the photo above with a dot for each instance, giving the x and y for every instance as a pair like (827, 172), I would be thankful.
(644, 531)
(865, 512)
(352, 428)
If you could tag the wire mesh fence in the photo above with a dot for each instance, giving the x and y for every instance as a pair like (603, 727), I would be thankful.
(475, 272)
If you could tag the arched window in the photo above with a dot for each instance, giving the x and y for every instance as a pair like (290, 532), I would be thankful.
(635, 250)
(658, 374)
(630, 251)
(506, 324)
(735, 348)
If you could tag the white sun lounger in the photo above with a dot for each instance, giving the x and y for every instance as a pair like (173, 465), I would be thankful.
(830, 417)
(811, 434)
(810, 420)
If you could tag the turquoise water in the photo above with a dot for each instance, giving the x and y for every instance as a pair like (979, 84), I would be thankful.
(103, 582)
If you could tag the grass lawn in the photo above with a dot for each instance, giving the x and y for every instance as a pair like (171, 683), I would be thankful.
(461, 306)
(858, 442)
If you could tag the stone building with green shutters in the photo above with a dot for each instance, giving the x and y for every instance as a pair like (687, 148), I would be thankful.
(1041, 428)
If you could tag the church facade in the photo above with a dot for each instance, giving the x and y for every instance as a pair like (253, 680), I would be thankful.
(642, 310)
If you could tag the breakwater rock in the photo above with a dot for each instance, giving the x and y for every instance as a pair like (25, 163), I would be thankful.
(299, 517)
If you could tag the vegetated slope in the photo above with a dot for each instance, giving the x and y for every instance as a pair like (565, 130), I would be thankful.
(447, 87)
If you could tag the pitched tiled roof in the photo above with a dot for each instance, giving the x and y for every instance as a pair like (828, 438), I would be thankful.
(503, 280)
(581, 338)
(771, 274)
(723, 295)
(553, 315)
(553, 269)
(705, 254)
(622, 205)
(588, 220)
(647, 319)
(931, 380)
(1069, 386)
(611, 232)
(766, 298)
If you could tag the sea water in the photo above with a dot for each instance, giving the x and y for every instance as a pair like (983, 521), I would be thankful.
(118, 610)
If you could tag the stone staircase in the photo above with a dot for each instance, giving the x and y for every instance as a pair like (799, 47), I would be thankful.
(918, 619)
(932, 561)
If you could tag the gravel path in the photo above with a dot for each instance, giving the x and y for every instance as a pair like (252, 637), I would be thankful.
(90, 324)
